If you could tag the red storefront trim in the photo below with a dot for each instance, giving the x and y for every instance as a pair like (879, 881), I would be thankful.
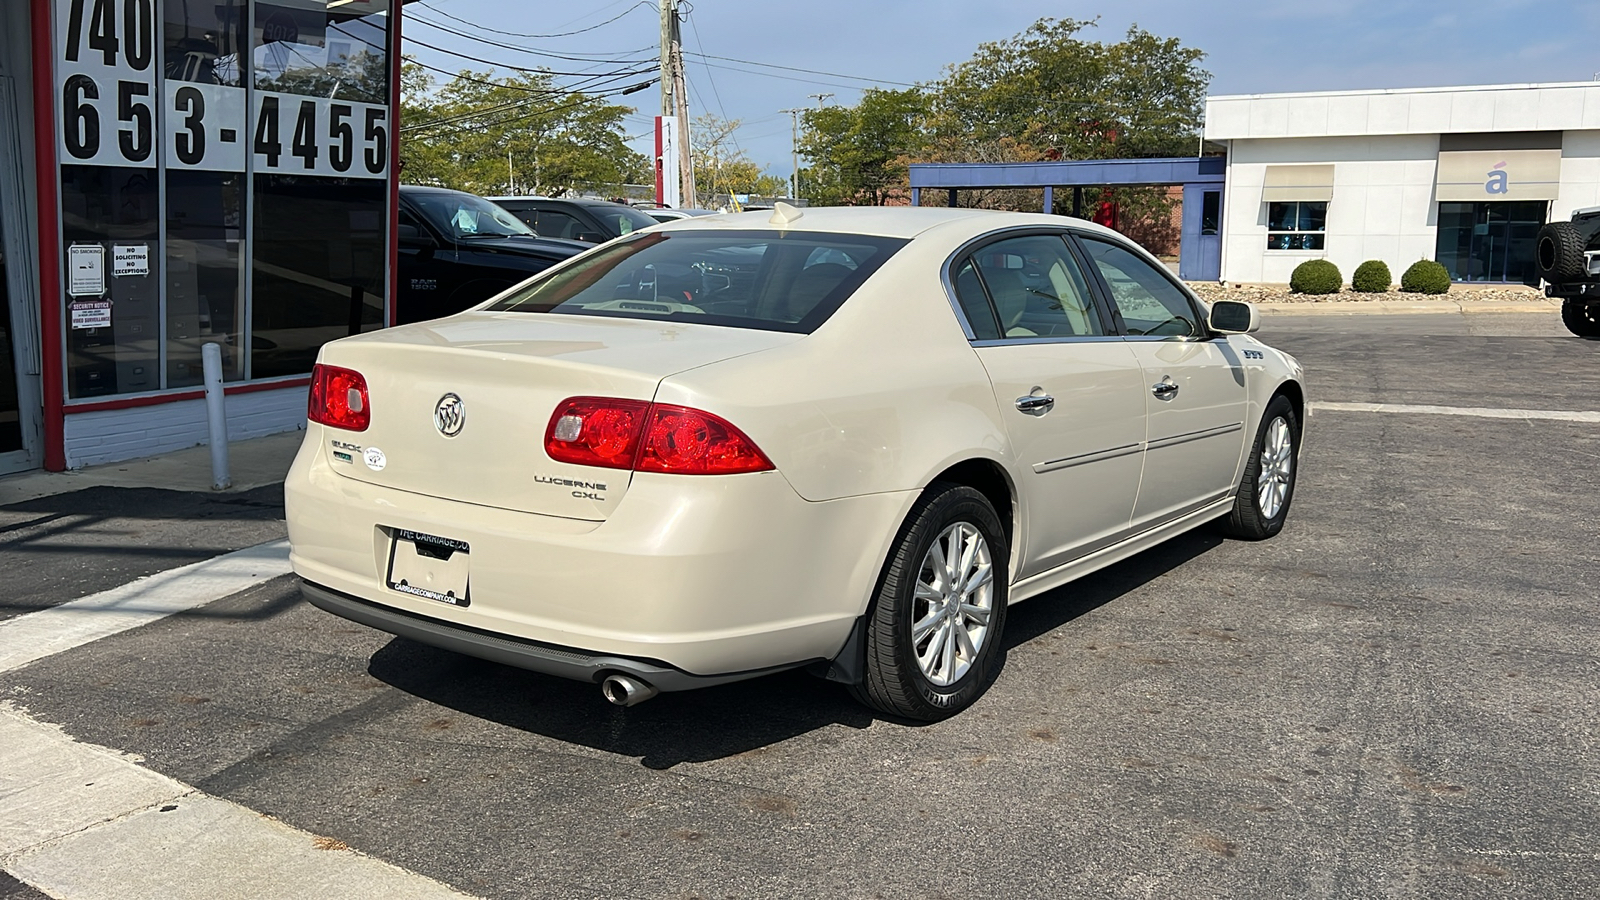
(395, 61)
(253, 387)
(47, 177)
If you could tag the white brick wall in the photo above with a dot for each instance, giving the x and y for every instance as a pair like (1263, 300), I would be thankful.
(1417, 111)
(114, 435)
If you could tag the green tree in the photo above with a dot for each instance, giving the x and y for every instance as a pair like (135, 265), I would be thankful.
(521, 133)
(1048, 93)
(859, 153)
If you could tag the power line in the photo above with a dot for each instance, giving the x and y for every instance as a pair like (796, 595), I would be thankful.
(539, 71)
(573, 57)
(535, 36)
(750, 62)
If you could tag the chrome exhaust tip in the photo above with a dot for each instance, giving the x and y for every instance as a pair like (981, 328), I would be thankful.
(626, 690)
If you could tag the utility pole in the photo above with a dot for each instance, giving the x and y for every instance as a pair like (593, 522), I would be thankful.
(820, 98)
(794, 148)
(675, 96)
(511, 176)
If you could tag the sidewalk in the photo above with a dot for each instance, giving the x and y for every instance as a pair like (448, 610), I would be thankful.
(1462, 304)
(252, 464)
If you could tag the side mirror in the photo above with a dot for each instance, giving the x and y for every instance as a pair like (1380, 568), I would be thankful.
(1233, 317)
(592, 237)
(410, 237)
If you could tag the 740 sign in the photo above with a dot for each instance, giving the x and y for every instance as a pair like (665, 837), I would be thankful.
(104, 55)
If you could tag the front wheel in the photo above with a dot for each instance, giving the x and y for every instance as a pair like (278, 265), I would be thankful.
(1582, 317)
(1265, 491)
(933, 635)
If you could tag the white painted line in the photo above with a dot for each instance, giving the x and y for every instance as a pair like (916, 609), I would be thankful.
(82, 821)
(49, 631)
(1481, 412)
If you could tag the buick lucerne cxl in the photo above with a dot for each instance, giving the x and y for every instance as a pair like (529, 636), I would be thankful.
(844, 439)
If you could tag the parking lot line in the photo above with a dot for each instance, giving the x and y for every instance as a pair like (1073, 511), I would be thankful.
(1481, 412)
(88, 822)
(72, 624)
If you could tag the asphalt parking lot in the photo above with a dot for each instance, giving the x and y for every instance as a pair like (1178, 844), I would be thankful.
(1399, 696)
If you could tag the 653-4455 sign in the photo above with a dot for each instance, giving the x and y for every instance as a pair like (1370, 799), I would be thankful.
(107, 66)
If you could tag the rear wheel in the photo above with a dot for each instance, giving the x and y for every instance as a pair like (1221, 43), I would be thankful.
(1582, 317)
(933, 636)
(1558, 253)
(1265, 491)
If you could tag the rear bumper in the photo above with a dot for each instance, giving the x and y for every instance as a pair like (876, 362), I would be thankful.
(562, 662)
(716, 577)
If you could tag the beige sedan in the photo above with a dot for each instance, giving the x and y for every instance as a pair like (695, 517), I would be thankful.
(845, 439)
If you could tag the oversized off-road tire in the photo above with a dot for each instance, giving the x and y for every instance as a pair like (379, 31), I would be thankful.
(1582, 317)
(933, 634)
(1267, 487)
(1558, 253)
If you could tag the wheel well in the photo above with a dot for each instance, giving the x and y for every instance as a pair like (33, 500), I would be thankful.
(1297, 398)
(986, 477)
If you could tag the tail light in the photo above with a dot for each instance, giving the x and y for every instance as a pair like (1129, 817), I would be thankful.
(338, 398)
(649, 437)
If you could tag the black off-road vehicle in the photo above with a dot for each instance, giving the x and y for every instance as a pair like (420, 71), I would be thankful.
(1568, 258)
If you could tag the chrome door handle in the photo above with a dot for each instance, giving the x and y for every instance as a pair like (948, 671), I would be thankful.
(1036, 403)
(1164, 390)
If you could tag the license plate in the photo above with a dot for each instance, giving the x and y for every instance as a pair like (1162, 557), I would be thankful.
(428, 566)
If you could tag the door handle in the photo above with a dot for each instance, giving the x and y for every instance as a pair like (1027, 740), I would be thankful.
(1164, 389)
(1036, 403)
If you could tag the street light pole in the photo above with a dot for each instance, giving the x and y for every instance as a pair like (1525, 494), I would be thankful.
(794, 149)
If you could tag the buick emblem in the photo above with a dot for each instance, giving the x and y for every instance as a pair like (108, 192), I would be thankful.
(449, 415)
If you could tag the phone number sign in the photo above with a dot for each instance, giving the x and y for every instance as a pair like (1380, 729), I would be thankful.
(113, 110)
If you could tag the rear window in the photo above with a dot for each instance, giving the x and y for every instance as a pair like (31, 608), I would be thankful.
(771, 280)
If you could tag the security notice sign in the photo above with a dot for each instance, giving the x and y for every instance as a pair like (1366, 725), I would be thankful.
(90, 313)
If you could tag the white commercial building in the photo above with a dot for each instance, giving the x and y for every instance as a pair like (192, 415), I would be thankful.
(1461, 175)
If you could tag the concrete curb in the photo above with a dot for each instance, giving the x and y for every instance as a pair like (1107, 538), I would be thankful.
(1533, 306)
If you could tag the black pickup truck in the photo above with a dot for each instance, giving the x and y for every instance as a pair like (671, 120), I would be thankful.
(1568, 258)
(458, 249)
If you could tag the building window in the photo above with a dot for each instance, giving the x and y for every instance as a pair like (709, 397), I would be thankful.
(1297, 225)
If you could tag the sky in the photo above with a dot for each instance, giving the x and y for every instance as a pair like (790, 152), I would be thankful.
(1251, 48)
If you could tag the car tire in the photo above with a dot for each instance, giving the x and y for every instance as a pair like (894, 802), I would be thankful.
(1558, 253)
(934, 629)
(1582, 317)
(1267, 487)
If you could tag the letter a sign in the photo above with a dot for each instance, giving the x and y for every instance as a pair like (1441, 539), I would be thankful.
(1499, 180)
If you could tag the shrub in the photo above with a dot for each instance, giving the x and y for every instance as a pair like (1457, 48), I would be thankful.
(1371, 277)
(1316, 276)
(1425, 277)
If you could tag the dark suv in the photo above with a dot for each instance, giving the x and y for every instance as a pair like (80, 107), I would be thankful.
(458, 249)
(591, 221)
(1568, 258)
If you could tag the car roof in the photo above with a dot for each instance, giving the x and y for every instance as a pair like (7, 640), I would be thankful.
(576, 201)
(882, 221)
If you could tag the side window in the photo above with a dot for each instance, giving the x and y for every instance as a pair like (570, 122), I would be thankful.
(557, 224)
(975, 303)
(1037, 288)
(526, 214)
(1148, 300)
(406, 218)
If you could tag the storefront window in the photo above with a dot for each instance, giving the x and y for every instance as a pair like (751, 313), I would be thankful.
(1297, 225)
(110, 233)
(320, 249)
(193, 134)
(1490, 241)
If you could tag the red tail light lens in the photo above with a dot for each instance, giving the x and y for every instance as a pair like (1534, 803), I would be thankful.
(634, 434)
(596, 431)
(338, 398)
(690, 442)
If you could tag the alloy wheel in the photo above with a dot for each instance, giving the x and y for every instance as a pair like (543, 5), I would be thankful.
(952, 605)
(1277, 468)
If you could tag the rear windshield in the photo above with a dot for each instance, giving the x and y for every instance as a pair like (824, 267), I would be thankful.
(771, 280)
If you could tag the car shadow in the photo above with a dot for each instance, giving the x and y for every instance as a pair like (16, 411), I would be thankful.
(725, 721)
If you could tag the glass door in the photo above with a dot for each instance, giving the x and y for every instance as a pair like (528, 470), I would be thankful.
(20, 409)
(1490, 242)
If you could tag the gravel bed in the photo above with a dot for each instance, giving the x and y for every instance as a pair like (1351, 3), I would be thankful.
(1279, 293)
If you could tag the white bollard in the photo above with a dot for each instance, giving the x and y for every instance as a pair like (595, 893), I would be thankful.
(216, 415)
